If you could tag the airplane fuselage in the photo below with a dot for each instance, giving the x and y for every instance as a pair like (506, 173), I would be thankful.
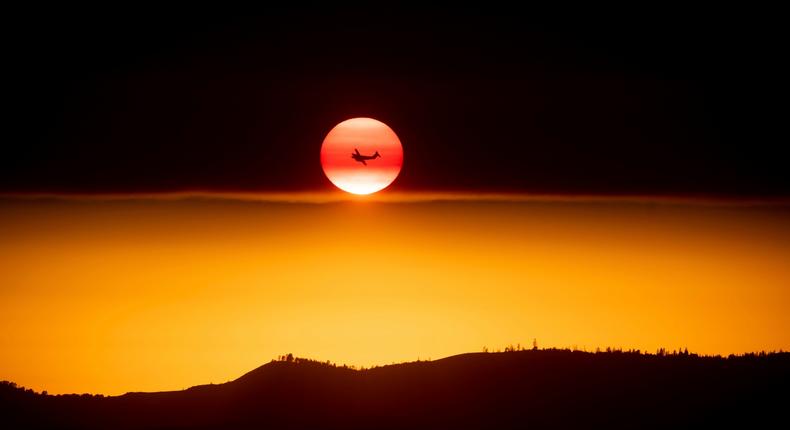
(363, 158)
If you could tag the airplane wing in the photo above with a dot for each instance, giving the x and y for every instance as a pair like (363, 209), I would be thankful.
(356, 150)
(363, 162)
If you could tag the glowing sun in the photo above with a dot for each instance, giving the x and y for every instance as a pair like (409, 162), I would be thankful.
(361, 155)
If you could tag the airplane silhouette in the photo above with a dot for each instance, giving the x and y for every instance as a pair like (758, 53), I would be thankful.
(361, 158)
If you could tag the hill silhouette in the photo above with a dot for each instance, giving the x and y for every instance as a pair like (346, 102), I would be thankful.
(516, 389)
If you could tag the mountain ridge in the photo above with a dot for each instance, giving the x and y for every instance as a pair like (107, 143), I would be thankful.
(516, 389)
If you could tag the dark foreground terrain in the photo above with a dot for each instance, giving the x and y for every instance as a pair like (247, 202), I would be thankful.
(521, 389)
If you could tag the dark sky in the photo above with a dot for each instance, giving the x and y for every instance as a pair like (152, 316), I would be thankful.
(583, 101)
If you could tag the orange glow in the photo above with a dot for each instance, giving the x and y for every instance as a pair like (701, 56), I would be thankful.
(369, 137)
(142, 294)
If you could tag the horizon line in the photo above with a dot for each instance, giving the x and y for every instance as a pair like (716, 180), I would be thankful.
(326, 197)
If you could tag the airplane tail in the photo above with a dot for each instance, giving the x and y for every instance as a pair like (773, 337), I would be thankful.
(377, 155)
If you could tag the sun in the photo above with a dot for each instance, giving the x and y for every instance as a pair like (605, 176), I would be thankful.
(361, 155)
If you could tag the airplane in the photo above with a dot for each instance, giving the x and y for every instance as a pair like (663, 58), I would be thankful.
(361, 158)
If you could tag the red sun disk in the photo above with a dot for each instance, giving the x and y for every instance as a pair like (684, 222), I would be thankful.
(368, 136)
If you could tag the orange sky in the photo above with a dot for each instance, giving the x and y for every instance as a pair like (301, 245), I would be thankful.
(130, 294)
